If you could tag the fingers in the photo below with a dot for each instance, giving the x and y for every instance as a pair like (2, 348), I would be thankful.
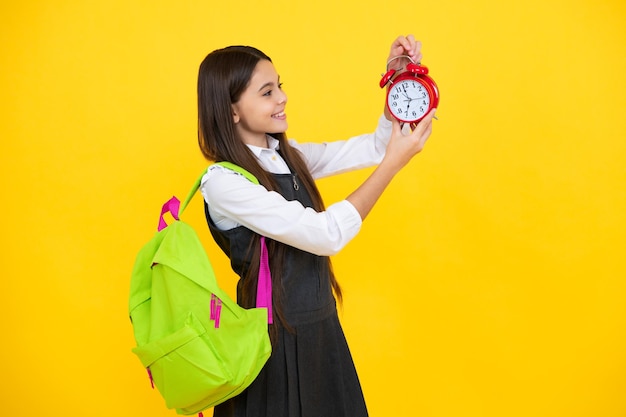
(414, 48)
(403, 146)
(406, 45)
(424, 127)
(430, 116)
(426, 121)
(417, 129)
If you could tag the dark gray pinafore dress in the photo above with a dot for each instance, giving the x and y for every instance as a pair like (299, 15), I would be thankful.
(310, 372)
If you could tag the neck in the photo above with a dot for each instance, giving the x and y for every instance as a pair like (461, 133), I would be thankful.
(256, 140)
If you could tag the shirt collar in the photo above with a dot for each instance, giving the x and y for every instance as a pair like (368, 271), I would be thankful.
(272, 145)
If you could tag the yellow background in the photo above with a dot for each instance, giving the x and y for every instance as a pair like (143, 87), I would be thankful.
(488, 281)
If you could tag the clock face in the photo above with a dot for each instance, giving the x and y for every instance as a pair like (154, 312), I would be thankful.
(408, 100)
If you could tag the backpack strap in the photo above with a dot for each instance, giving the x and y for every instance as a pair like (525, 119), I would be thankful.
(264, 286)
(196, 185)
(173, 205)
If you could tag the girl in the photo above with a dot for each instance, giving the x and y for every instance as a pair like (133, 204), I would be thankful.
(242, 119)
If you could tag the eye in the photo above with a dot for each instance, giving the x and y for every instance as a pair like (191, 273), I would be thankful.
(269, 91)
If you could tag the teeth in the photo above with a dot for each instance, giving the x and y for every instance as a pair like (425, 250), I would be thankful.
(281, 114)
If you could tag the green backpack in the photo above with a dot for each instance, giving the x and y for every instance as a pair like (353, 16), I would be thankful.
(199, 346)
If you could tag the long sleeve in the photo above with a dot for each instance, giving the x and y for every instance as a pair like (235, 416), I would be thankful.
(331, 158)
(232, 197)
(234, 201)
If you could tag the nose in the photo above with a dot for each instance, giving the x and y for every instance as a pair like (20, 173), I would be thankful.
(282, 98)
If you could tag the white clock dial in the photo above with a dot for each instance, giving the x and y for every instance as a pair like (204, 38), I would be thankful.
(408, 100)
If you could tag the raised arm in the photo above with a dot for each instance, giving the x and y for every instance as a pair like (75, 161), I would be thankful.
(400, 150)
(402, 147)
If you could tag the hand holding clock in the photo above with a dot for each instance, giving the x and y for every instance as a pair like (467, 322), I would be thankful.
(404, 46)
(400, 149)
(411, 98)
(406, 77)
(405, 52)
(403, 146)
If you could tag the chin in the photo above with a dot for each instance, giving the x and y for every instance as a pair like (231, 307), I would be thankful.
(280, 130)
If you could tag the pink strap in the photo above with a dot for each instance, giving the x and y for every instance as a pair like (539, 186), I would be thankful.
(172, 206)
(150, 376)
(216, 310)
(264, 286)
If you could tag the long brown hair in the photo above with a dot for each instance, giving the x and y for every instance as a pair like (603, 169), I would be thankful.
(223, 77)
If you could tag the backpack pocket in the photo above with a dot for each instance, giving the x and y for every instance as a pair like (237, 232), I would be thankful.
(185, 366)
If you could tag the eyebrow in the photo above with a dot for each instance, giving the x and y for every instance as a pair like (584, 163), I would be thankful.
(269, 84)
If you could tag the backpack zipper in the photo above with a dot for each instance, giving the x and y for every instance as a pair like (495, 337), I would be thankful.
(295, 183)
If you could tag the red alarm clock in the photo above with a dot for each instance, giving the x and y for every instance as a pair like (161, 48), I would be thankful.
(411, 94)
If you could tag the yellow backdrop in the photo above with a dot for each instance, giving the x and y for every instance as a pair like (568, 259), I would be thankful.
(489, 280)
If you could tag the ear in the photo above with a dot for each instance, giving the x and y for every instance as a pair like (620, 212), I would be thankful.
(236, 117)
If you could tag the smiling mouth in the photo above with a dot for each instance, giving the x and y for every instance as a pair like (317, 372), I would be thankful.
(280, 115)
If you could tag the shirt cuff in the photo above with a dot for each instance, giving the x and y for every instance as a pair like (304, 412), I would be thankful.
(347, 218)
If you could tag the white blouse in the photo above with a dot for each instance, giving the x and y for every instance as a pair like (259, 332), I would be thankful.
(234, 201)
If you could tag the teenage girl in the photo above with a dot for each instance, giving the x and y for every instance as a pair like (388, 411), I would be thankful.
(243, 119)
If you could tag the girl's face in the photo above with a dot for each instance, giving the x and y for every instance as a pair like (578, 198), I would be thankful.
(261, 107)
